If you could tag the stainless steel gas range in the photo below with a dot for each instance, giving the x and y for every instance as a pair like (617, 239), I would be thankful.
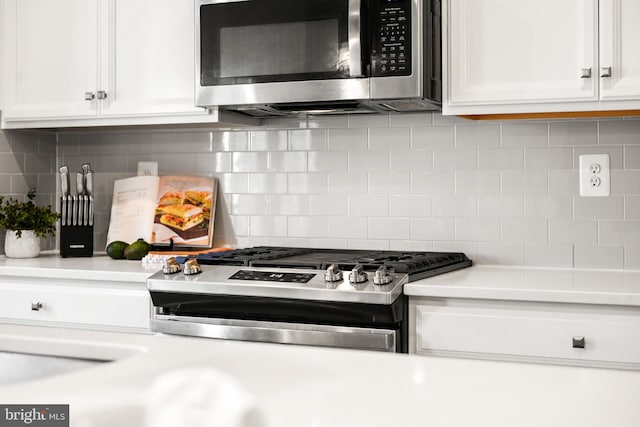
(323, 297)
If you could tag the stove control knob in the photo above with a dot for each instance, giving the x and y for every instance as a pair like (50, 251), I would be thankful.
(333, 274)
(382, 277)
(358, 275)
(191, 267)
(170, 266)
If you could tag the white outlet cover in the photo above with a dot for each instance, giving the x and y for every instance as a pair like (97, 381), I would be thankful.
(147, 168)
(589, 162)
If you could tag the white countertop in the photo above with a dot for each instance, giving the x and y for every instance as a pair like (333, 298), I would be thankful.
(317, 387)
(617, 287)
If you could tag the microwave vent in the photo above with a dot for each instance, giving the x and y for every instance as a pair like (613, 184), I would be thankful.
(404, 106)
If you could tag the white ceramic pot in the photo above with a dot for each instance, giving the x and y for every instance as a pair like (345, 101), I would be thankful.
(27, 246)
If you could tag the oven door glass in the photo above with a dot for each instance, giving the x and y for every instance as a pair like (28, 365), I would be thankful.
(260, 41)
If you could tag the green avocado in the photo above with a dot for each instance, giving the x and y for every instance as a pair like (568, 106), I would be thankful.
(137, 250)
(116, 249)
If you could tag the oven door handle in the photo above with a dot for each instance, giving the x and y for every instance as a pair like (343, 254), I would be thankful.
(277, 332)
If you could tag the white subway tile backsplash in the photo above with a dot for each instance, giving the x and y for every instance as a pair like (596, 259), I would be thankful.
(619, 132)
(446, 206)
(269, 140)
(368, 205)
(632, 157)
(598, 207)
(632, 208)
(307, 183)
(567, 231)
(348, 139)
(410, 160)
(573, 133)
(289, 161)
(548, 158)
(346, 227)
(501, 159)
(268, 183)
(548, 207)
(524, 230)
(389, 228)
(525, 135)
(477, 230)
(593, 256)
(250, 162)
(397, 138)
(348, 183)
(433, 229)
(308, 139)
(455, 160)
(433, 182)
(619, 233)
(526, 183)
(549, 255)
(502, 192)
(477, 182)
(432, 137)
(500, 207)
(389, 183)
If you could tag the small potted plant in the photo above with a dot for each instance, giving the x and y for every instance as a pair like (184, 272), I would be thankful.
(25, 223)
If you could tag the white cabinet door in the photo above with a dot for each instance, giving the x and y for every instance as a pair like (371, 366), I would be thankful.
(51, 52)
(148, 58)
(619, 44)
(521, 51)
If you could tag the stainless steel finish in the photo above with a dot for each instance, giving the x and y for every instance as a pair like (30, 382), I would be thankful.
(605, 71)
(89, 192)
(74, 210)
(355, 52)
(215, 280)
(585, 73)
(102, 94)
(64, 191)
(80, 197)
(381, 276)
(578, 342)
(171, 266)
(191, 267)
(358, 275)
(36, 305)
(91, 210)
(277, 332)
(333, 274)
(89, 96)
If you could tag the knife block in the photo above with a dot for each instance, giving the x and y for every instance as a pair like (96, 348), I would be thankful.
(76, 240)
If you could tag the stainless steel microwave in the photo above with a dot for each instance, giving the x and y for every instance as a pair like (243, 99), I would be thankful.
(283, 57)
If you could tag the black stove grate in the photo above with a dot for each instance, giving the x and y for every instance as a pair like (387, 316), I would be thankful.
(418, 265)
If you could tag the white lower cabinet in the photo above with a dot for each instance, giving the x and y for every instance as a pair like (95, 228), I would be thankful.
(573, 334)
(117, 306)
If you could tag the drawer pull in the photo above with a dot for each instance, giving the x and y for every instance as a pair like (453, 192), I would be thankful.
(36, 305)
(577, 342)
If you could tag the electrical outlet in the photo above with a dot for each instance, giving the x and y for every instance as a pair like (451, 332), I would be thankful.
(595, 175)
(148, 168)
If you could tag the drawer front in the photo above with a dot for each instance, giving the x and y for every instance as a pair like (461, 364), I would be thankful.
(545, 332)
(124, 308)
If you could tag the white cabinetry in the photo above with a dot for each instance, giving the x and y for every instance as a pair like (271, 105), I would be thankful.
(574, 334)
(518, 56)
(99, 62)
(69, 303)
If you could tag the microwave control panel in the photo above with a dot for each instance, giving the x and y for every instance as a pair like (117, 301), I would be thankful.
(391, 38)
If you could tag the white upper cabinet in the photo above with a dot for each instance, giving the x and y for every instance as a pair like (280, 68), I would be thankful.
(100, 62)
(519, 56)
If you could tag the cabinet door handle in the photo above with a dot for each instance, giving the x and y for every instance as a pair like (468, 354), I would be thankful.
(585, 73)
(36, 305)
(89, 96)
(102, 94)
(577, 342)
(605, 71)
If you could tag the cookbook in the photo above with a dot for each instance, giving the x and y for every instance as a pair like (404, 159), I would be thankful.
(166, 210)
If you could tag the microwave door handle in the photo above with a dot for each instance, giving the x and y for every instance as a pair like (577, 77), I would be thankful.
(355, 47)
